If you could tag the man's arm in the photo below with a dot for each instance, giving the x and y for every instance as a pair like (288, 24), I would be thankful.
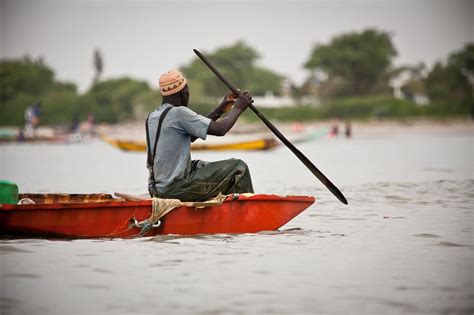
(221, 127)
(222, 108)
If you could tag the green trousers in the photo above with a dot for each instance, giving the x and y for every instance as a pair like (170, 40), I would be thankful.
(206, 180)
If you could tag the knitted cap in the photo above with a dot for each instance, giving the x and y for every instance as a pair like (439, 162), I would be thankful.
(171, 82)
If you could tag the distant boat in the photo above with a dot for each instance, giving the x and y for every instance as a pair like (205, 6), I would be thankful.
(308, 136)
(66, 138)
(263, 143)
(46, 135)
(104, 216)
(140, 146)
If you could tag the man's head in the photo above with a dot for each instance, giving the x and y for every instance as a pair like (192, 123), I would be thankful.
(174, 88)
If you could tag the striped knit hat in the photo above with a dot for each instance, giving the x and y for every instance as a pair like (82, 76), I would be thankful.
(171, 82)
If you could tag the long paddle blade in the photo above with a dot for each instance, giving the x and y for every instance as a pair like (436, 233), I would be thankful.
(336, 192)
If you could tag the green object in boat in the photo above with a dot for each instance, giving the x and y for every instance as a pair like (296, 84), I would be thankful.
(8, 192)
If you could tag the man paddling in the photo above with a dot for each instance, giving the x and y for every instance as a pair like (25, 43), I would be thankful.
(172, 127)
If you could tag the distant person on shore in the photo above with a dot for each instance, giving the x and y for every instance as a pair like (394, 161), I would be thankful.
(172, 173)
(297, 126)
(28, 122)
(334, 128)
(75, 124)
(89, 125)
(348, 131)
(32, 119)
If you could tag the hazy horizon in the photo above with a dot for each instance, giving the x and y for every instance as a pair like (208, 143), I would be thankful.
(142, 39)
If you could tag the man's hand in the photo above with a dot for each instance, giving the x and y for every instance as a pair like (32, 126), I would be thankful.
(243, 101)
(227, 103)
(220, 128)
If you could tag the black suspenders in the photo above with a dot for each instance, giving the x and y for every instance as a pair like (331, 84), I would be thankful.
(151, 155)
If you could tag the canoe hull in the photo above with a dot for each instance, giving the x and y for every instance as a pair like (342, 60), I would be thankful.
(112, 219)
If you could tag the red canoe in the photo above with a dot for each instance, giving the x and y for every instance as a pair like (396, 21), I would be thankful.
(103, 216)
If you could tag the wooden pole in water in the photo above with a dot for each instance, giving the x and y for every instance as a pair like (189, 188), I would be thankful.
(316, 172)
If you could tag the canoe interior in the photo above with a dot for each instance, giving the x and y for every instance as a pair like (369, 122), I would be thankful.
(68, 198)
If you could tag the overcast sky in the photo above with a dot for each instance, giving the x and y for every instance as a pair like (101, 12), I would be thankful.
(142, 39)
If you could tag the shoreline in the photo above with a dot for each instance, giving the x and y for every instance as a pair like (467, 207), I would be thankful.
(133, 130)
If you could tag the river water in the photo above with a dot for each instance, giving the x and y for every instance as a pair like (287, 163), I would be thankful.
(404, 245)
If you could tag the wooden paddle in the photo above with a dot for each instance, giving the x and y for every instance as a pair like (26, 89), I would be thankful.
(278, 134)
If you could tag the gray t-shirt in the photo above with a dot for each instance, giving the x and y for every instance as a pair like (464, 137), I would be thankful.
(173, 158)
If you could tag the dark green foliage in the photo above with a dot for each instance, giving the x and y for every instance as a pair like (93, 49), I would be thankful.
(264, 80)
(114, 99)
(354, 62)
(203, 108)
(24, 82)
(450, 82)
(24, 76)
(357, 64)
(237, 63)
(12, 111)
(361, 108)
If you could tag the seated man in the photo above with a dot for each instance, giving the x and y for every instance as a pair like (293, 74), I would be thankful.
(170, 130)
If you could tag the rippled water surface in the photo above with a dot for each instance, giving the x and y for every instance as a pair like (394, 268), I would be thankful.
(404, 245)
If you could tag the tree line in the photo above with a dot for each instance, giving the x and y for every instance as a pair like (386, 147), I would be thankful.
(354, 69)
